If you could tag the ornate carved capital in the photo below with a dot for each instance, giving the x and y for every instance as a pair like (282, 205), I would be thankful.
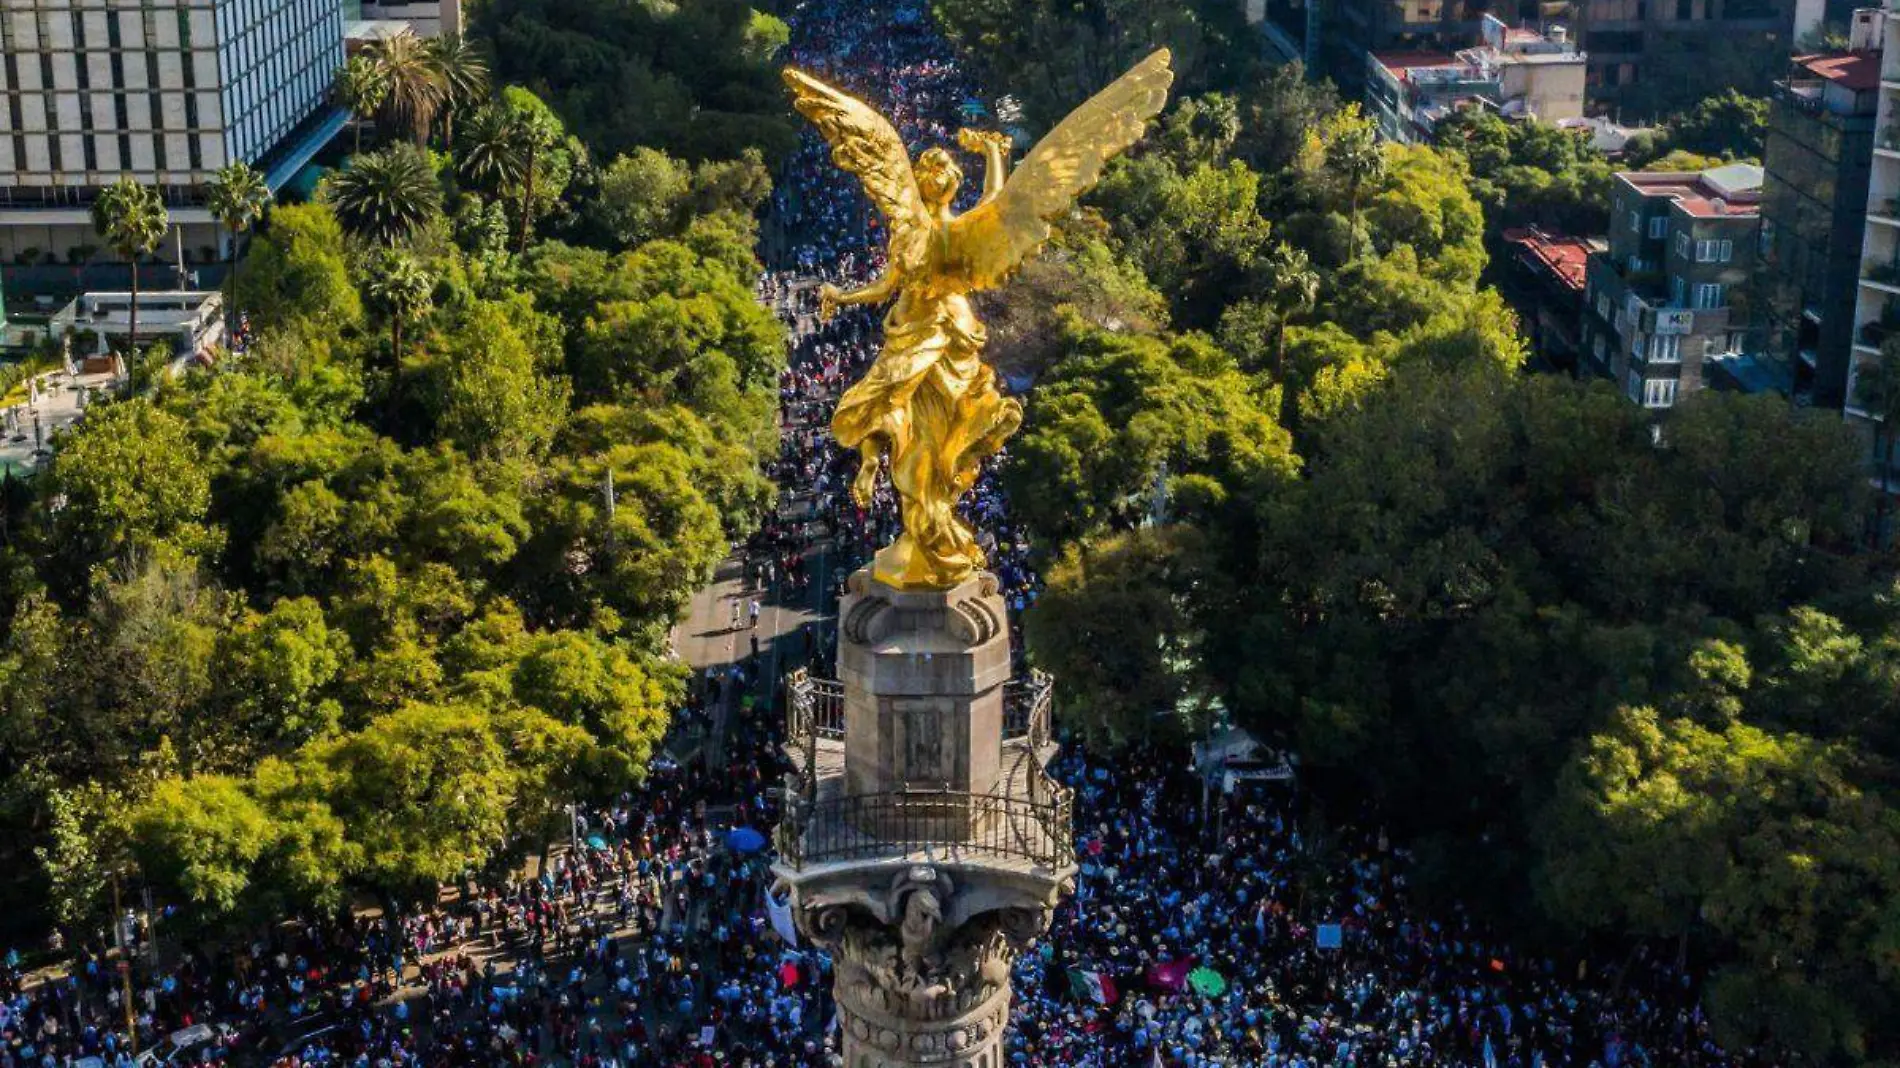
(917, 979)
(976, 620)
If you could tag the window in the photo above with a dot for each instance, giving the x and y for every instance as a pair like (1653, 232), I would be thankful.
(1636, 345)
(1659, 393)
(1600, 348)
(1708, 294)
(1636, 220)
(1678, 291)
(1714, 251)
(1666, 348)
(1636, 386)
(1682, 245)
(1659, 226)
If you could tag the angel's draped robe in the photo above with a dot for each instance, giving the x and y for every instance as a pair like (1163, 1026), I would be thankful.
(934, 403)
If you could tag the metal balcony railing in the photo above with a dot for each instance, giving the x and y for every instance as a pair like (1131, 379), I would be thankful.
(815, 710)
(943, 823)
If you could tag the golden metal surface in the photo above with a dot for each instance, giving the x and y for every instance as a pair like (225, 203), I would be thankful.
(930, 401)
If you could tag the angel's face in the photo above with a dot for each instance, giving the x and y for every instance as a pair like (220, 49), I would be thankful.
(937, 178)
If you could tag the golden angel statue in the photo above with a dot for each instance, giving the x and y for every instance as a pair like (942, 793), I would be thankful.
(930, 401)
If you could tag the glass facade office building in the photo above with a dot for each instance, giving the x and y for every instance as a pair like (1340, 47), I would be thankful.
(166, 91)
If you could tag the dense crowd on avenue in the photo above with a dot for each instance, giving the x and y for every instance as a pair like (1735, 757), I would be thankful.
(1195, 938)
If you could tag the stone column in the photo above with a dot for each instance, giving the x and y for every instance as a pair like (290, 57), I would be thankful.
(923, 850)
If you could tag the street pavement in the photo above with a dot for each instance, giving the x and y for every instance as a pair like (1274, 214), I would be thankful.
(717, 633)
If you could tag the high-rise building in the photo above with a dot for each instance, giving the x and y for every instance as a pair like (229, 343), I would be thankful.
(1877, 309)
(1348, 32)
(1659, 303)
(1651, 56)
(425, 18)
(1818, 155)
(165, 91)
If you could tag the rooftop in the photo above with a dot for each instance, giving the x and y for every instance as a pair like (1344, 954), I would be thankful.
(1400, 62)
(1849, 70)
(1565, 257)
(1731, 189)
(1606, 135)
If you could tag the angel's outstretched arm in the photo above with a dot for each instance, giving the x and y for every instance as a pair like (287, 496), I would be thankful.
(830, 297)
(995, 168)
(876, 291)
(995, 150)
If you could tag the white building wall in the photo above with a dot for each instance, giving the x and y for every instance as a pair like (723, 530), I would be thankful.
(1881, 241)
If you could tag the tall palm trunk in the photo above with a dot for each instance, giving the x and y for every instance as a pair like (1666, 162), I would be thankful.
(1279, 350)
(392, 406)
(527, 204)
(132, 338)
(1355, 218)
(1885, 435)
(230, 291)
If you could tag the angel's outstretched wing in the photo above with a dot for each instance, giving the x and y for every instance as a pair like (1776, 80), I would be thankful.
(991, 240)
(864, 143)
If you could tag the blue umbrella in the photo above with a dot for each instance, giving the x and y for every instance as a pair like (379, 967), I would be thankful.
(595, 841)
(745, 840)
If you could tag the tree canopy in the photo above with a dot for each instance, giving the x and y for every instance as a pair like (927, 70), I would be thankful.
(350, 610)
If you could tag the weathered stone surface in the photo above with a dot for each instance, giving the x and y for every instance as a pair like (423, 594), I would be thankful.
(964, 858)
(923, 674)
(914, 987)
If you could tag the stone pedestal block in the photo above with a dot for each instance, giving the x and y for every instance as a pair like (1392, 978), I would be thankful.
(923, 675)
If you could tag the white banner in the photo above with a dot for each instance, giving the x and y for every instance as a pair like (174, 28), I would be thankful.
(779, 909)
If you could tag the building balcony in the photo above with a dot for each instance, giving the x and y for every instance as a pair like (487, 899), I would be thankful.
(1881, 275)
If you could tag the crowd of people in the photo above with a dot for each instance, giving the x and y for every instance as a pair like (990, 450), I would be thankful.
(1195, 939)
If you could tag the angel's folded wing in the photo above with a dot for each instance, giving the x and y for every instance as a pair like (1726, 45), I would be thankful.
(991, 240)
(864, 143)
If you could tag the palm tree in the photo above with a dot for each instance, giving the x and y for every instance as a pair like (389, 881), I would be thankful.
(415, 91)
(1292, 289)
(464, 77)
(491, 148)
(398, 287)
(385, 197)
(361, 87)
(538, 135)
(1356, 156)
(1877, 391)
(132, 220)
(237, 195)
(503, 148)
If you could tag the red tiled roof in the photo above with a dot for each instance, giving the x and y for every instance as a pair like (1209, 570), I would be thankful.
(1566, 257)
(1849, 70)
(1401, 61)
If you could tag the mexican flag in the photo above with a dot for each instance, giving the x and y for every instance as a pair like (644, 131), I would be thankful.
(1093, 986)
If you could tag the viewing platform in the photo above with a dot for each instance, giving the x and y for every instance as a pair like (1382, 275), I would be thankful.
(1024, 822)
